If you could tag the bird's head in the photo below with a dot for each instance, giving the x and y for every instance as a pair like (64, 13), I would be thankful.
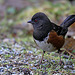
(39, 21)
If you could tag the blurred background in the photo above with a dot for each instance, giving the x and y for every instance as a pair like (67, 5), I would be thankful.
(18, 52)
(14, 15)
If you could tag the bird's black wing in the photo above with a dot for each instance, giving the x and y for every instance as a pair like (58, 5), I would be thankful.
(60, 30)
(68, 21)
(63, 28)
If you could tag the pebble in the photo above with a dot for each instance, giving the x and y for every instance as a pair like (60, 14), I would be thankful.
(29, 52)
(1, 52)
(53, 61)
(33, 68)
(65, 67)
(57, 74)
(1, 69)
(73, 71)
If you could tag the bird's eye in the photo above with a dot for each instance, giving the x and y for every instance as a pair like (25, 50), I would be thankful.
(35, 20)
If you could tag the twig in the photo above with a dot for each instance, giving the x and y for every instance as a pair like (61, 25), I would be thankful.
(70, 53)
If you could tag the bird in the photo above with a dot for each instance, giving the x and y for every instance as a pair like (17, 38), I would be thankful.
(47, 35)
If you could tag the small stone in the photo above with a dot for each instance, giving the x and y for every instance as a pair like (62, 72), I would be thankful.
(30, 52)
(69, 63)
(70, 67)
(65, 67)
(33, 68)
(1, 69)
(73, 71)
(53, 61)
(31, 64)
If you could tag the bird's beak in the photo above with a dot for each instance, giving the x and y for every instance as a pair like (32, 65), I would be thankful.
(29, 21)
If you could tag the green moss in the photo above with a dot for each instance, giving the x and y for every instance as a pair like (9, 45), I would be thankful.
(7, 55)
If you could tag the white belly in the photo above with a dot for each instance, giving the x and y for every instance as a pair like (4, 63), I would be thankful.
(45, 46)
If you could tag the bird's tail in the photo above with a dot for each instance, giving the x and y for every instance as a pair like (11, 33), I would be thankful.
(68, 21)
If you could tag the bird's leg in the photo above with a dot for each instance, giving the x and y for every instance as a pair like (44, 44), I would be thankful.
(42, 57)
(60, 62)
